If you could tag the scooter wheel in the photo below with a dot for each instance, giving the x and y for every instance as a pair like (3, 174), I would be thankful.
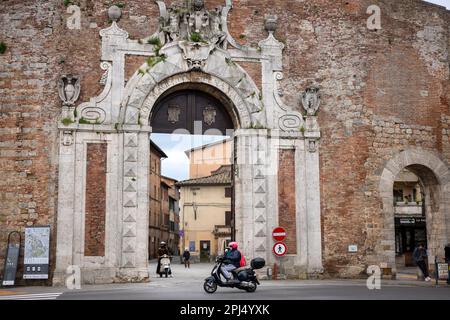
(210, 287)
(167, 273)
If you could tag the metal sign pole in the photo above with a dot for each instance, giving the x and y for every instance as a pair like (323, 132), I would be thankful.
(279, 269)
(436, 267)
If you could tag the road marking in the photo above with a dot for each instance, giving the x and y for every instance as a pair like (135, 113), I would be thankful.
(36, 296)
(8, 292)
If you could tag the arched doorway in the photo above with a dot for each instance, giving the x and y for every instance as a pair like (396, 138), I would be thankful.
(414, 188)
(410, 215)
(195, 111)
(205, 214)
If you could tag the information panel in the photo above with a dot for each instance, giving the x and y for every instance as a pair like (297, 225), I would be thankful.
(12, 259)
(37, 251)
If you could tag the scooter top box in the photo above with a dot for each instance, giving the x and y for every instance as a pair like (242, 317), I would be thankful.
(257, 263)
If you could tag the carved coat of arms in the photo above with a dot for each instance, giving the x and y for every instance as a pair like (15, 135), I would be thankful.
(173, 113)
(209, 115)
(311, 101)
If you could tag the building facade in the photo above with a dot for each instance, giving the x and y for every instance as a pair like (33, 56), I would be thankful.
(155, 200)
(163, 204)
(206, 214)
(325, 113)
(208, 158)
(171, 214)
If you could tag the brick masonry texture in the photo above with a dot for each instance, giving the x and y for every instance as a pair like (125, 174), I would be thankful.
(95, 212)
(286, 198)
(382, 92)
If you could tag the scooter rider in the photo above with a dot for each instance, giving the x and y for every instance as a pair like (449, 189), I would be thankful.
(231, 261)
(162, 250)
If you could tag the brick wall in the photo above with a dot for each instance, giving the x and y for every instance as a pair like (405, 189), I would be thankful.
(286, 198)
(95, 210)
(382, 91)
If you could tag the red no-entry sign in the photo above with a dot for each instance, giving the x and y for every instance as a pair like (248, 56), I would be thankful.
(279, 234)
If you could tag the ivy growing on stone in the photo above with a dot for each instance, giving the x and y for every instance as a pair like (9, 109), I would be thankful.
(153, 61)
(67, 121)
(154, 41)
(196, 37)
(84, 121)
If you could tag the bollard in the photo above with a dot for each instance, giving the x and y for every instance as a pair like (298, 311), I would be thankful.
(269, 273)
(275, 271)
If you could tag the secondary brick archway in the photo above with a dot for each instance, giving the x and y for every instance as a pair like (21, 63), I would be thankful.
(435, 178)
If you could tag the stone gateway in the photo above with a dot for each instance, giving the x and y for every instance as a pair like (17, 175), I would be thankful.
(325, 113)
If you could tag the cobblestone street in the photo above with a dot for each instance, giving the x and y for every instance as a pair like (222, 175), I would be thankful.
(187, 284)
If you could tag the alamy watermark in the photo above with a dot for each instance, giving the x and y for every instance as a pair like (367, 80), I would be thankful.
(374, 280)
(374, 21)
(74, 21)
(73, 278)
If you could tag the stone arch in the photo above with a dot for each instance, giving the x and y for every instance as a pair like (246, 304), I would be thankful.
(434, 175)
(228, 79)
(199, 81)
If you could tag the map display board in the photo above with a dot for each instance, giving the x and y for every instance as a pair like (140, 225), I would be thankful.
(37, 251)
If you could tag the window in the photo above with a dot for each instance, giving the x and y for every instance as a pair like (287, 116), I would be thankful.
(228, 192)
(191, 246)
(398, 196)
(228, 218)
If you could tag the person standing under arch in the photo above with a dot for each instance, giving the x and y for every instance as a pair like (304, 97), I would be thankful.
(420, 255)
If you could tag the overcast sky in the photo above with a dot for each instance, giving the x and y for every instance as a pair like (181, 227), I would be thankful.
(445, 3)
(176, 166)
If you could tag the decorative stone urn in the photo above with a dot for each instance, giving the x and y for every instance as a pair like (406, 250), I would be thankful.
(271, 23)
(114, 13)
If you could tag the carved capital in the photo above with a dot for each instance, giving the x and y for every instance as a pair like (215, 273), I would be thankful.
(67, 138)
(312, 145)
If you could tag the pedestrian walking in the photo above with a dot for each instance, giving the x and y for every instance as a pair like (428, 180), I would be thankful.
(186, 257)
(420, 255)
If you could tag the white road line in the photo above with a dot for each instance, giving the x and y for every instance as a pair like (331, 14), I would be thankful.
(36, 296)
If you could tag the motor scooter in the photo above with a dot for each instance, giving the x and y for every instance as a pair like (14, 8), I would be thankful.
(164, 268)
(244, 278)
